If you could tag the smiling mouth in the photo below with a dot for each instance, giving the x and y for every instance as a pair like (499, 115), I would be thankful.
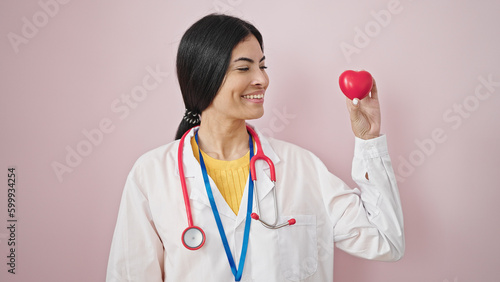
(257, 96)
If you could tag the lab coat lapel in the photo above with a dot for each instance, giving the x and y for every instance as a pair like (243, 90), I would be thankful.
(196, 184)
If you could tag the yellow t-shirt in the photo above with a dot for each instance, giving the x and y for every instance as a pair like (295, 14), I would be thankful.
(230, 177)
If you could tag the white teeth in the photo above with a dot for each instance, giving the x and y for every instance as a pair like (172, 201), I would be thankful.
(259, 96)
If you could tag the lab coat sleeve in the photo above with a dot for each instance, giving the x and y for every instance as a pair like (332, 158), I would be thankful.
(372, 224)
(136, 250)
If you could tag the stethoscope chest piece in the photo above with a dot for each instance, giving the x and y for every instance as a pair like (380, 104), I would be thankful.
(193, 238)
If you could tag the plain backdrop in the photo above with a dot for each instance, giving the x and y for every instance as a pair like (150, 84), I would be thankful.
(74, 69)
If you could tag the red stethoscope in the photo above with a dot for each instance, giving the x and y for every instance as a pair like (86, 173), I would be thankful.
(193, 236)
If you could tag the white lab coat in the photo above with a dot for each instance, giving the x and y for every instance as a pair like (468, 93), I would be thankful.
(366, 223)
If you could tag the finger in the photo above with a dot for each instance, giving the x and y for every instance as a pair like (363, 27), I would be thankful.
(374, 92)
(353, 107)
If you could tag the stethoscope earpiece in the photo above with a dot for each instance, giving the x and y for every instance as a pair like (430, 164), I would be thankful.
(289, 222)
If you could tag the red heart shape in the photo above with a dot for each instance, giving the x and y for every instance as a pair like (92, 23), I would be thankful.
(355, 84)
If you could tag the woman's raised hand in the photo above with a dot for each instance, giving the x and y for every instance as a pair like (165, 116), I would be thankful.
(365, 115)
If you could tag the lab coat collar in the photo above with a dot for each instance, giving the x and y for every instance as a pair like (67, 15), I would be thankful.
(197, 192)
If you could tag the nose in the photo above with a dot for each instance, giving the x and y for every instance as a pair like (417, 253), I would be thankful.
(260, 78)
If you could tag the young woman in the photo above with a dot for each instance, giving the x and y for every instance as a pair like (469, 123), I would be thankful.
(222, 76)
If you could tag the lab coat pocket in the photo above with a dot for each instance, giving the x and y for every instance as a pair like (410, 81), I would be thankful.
(298, 248)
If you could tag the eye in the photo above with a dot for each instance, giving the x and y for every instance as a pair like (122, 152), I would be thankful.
(243, 68)
(263, 67)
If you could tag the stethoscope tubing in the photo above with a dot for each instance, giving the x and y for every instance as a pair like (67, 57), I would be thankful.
(183, 180)
(253, 173)
(260, 156)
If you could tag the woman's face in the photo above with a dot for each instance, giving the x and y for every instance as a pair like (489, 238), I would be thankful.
(241, 95)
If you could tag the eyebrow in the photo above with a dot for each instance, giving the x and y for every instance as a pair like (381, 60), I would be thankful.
(248, 59)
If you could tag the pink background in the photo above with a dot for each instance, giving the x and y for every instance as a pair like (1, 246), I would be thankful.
(65, 75)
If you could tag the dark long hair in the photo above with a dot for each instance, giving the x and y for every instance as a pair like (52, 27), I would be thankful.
(203, 58)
